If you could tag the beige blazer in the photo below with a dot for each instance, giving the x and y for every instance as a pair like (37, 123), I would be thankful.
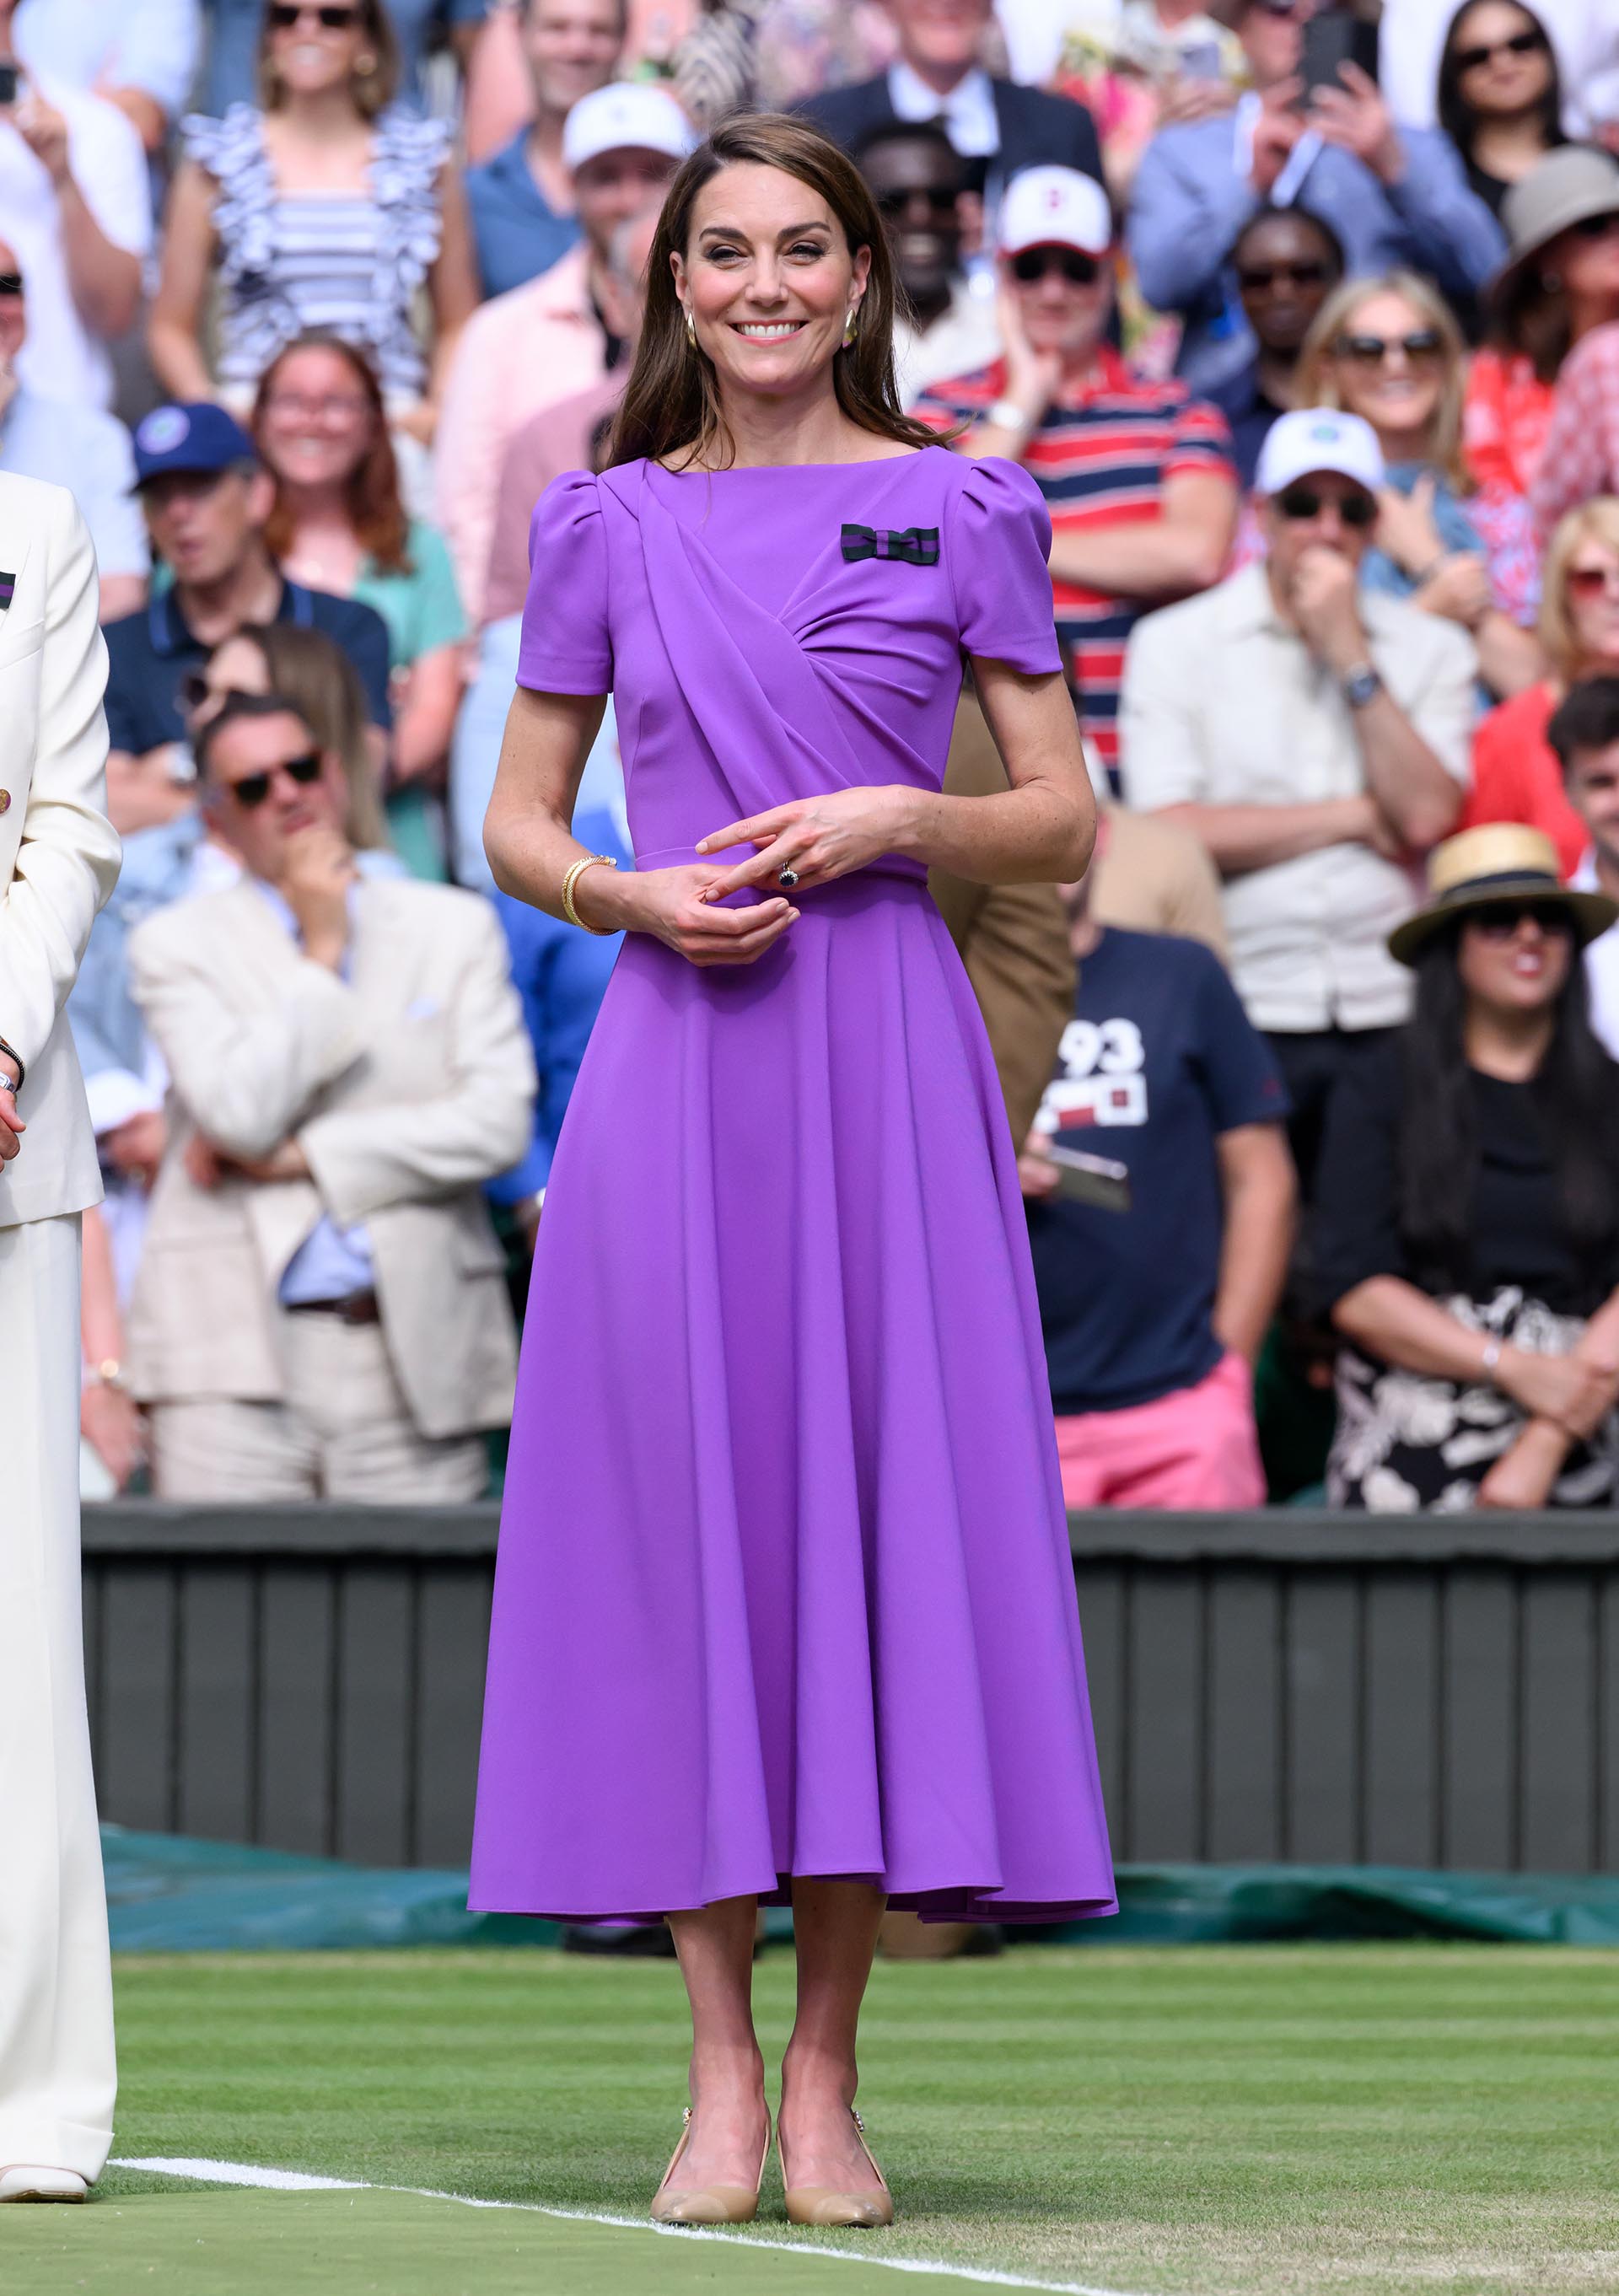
(406, 1085)
(59, 854)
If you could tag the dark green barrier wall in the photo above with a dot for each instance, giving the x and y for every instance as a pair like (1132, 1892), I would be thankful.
(1311, 1689)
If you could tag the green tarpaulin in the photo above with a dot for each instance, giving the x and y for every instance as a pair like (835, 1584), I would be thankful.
(170, 1895)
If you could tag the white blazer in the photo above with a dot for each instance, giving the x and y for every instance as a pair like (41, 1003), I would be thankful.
(59, 854)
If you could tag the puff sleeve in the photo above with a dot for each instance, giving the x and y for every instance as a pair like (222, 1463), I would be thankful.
(567, 647)
(998, 533)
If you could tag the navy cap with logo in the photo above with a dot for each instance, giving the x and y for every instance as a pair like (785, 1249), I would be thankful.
(197, 437)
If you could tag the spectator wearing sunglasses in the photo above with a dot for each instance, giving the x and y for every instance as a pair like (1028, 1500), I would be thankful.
(1285, 263)
(208, 501)
(1138, 476)
(1558, 286)
(230, 74)
(1466, 1238)
(1394, 196)
(321, 1308)
(1515, 773)
(919, 182)
(1500, 97)
(79, 447)
(1389, 351)
(1580, 454)
(1315, 738)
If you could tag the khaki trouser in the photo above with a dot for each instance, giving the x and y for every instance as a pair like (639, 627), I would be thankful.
(343, 1431)
(57, 2072)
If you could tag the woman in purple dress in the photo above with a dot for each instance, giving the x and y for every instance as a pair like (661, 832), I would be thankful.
(784, 1606)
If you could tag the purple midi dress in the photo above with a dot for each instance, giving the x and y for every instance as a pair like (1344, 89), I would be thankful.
(783, 1584)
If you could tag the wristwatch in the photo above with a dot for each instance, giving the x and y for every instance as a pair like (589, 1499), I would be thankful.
(11, 1054)
(1006, 414)
(1361, 685)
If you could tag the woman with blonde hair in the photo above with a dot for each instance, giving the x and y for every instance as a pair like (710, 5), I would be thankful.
(330, 206)
(1515, 773)
(1390, 349)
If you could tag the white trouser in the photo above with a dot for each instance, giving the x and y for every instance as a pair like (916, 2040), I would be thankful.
(57, 2073)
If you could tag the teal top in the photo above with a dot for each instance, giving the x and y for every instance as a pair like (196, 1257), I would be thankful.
(421, 609)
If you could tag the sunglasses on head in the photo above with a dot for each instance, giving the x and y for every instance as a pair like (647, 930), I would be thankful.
(1521, 43)
(1500, 920)
(1078, 268)
(1256, 278)
(941, 198)
(252, 789)
(1300, 503)
(286, 15)
(1421, 347)
(195, 690)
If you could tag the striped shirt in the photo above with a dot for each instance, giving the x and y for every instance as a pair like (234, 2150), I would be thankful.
(1101, 458)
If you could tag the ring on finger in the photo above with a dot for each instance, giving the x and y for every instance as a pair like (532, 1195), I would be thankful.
(786, 878)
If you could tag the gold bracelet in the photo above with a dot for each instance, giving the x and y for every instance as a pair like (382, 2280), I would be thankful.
(577, 869)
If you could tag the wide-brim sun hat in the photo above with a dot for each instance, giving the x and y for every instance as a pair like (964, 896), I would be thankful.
(1481, 868)
(1566, 187)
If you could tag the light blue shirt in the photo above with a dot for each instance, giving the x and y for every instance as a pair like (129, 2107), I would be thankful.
(150, 45)
(89, 453)
(332, 1261)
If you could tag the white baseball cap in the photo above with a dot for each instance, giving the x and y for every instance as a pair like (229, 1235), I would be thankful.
(1055, 207)
(1312, 439)
(625, 117)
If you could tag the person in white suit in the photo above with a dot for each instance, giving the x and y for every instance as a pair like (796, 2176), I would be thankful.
(59, 859)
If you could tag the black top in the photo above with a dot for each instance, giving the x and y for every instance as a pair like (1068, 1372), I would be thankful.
(1520, 1235)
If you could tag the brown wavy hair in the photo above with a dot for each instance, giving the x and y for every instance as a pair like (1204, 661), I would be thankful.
(671, 403)
(369, 92)
(375, 506)
(315, 678)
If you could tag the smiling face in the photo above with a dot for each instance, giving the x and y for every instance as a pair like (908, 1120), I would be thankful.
(317, 425)
(1389, 362)
(1284, 268)
(768, 279)
(916, 184)
(572, 48)
(1512, 77)
(1515, 958)
(615, 186)
(311, 57)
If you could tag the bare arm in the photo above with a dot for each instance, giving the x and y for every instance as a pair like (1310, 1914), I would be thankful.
(1238, 838)
(426, 719)
(499, 93)
(105, 280)
(1184, 549)
(146, 114)
(1391, 1320)
(1524, 1476)
(452, 283)
(174, 329)
(1257, 1182)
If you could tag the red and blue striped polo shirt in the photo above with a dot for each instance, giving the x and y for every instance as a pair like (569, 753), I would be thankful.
(1100, 459)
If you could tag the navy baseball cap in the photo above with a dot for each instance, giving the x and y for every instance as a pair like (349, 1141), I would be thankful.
(197, 436)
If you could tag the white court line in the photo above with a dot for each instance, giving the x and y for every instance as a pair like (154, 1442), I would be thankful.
(292, 2180)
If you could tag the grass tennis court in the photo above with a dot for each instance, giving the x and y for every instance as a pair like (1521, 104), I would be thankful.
(1247, 2121)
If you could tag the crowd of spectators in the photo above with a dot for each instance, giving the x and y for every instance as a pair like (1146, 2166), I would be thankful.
(1304, 314)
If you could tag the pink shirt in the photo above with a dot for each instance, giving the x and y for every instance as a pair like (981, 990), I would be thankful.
(546, 446)
(517, 355)
(1581, 456)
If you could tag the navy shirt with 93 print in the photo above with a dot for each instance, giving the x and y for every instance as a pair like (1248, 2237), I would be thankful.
(1158, 1060)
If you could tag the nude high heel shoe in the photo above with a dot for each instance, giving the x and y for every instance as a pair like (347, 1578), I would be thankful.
(818, 2204)
(709, 2204)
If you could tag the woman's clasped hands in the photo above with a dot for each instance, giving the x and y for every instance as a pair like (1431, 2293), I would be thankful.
(818, 838)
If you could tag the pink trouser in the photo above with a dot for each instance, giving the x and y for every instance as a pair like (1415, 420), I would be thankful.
(1194, 1449)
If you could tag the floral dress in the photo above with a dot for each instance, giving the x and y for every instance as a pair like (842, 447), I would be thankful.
(350, 265)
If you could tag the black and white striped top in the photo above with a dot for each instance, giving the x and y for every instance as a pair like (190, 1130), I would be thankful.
(351, 265)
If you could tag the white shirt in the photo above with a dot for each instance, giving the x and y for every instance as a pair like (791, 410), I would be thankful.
(1411, 35)
(150, 45)
(61, 358)
(1223, 704)
(967, 112)
(1601, 966)
(962, 339)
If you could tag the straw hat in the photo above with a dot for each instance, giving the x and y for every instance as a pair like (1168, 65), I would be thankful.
(1568, 185)
(1503, 861)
